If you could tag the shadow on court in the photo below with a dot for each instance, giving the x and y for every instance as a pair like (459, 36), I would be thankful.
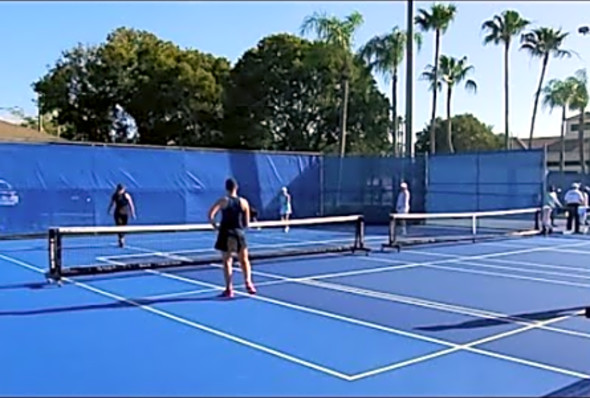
(116, 305)
(490, 322)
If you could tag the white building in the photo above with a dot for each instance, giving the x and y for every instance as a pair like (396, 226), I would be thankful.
(572, 125)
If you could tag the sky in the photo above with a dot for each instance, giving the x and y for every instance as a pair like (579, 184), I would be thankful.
(36, 33)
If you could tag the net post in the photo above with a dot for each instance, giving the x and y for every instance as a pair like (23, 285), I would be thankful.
(392, 230)
(359, 243)
(55, 250)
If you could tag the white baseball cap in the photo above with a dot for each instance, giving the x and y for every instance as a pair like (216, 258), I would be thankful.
(403, 185)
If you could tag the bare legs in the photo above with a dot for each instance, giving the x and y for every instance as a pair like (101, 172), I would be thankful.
(246, 271)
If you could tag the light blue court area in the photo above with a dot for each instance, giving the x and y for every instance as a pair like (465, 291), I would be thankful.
(495, 318)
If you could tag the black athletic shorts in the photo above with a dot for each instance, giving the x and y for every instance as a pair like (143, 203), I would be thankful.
(232, 240)
(121, 219)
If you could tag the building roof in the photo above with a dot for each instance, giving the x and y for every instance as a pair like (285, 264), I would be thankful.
(519, 143)
(15, 133)
(577, 116)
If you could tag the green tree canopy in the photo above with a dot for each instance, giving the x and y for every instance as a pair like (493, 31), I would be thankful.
(284, 94)
(468, 134)
(173, 94)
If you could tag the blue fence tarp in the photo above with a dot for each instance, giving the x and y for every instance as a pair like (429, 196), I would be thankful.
(485, 181)
(71, 184)
(43, 185)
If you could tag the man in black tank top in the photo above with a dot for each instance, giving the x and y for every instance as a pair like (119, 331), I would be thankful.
(231, 238)
(121, 200)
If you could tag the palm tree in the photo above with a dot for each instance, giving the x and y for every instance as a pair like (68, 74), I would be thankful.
(438, 20)
(339, 33)
(501, 29)
(579, 102)
(384, 54)
(452, 72)
(543, 43)
(559, 93)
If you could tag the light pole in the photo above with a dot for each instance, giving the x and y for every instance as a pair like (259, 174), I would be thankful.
(409, 78)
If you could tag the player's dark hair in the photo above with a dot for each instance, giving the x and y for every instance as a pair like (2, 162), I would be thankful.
(230, 184)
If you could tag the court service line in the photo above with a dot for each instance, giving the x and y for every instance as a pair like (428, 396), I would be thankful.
(370, 325)
(471, 347)
(583, 252)
(569, 275)
(195, 325)
(453, 308)
(208, 290)
(429, 263)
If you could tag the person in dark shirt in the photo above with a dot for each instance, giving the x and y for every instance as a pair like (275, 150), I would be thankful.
(123, 203)
(235, 217)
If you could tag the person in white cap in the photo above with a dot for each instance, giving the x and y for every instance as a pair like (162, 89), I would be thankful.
(402, 205)
(574, 198)
(285, 203)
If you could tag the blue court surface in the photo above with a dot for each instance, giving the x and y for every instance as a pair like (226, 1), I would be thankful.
(495, 318)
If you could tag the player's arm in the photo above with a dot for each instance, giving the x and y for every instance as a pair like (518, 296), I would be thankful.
(246, 208)
(131, 205)
(214, 210)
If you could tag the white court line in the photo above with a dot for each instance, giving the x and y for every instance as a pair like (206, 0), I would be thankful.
(583, 252)
(195, 325)
(569, 275)
(532, 264)
(455, 347)
(209, 290)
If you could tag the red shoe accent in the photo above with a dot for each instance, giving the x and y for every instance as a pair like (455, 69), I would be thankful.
(228, 293)
(250, 288)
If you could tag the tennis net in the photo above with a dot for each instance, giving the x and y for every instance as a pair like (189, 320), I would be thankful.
(76, 251)
(426, 228)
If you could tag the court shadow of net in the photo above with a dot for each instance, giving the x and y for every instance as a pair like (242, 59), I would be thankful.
(578, 389)
(502, 320)
(117, 305)
(17, 286)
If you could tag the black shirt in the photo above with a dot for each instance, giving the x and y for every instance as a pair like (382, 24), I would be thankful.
(121, 202)
(232, 216)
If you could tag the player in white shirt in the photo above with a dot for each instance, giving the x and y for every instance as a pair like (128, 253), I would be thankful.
(402, 205)
(574, 198)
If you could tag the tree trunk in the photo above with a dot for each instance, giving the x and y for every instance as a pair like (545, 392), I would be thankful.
(394, 111)
(562, 142)
(434, 92)
(344, 118)
(507, 142)
(449, 123)
(581, 143)
(537, 96)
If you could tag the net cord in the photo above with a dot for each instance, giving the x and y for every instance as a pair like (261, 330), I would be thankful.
(108, 230)
(477, 214)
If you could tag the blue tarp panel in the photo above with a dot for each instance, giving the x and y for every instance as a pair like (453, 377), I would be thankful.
(485, 181)
(369, 185)
(565, 180)
(49, 184)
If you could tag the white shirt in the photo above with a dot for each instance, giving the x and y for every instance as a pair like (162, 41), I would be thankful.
(403, 202)
(575, 196)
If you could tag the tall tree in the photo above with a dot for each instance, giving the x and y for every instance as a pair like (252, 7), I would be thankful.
(579, 102)
(174, 95)
(469, 134)
(452, 72)
(384, 54)
(501, 29)
(438, 20)
(559, 93)
(283, 95)
(339, 33)
(543, 43)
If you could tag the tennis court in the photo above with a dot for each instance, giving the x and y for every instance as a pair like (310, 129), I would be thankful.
(498, 317)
